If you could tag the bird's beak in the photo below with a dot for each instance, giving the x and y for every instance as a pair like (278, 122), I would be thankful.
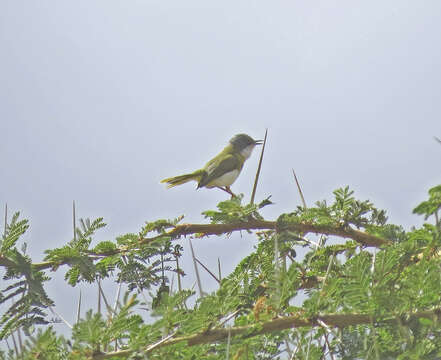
(258, 142)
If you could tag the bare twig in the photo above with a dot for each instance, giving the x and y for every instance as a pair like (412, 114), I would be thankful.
(228, 343)
(79, 308)
(159, 343)
(6, 220)
(277, 270)
(172, 283)
(320, 322)
(196, 270)
(99, 296)
(229, 317)
(208, 270)
(74, 221)
(115, 305)
(375, 345)
(106, 303)
(219, 269)
(7, 344)
(295, 352)
(20, 341)
(179, 274)
(17, 352)
(328, 345)
(299, 189)
(253, 194)
(288, 348)
(62, 318)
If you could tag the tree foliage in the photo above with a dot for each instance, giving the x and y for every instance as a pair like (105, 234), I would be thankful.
(331, 281)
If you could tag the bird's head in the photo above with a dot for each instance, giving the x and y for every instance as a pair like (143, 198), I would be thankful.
(244, 144)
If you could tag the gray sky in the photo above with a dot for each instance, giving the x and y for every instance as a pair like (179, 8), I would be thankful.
(99, 100)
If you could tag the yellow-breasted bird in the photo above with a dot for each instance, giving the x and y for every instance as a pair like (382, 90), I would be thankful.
(223, 169)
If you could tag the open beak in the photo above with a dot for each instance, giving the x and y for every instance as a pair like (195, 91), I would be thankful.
(258, 142)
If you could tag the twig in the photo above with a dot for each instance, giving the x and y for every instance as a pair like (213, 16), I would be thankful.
(219, 269)
(126, 353)
(6, 219)
(179, 275)
(320, 322)
(294, 353)
(74, 221)
(20, 342)
(196, 270)
(99, 296)
(208, 270)
(79, 308)
(117, 297)
(159, 343)
(228, 343)
(172, 283)
(329, 345)
(106, 303)
(253, 194)
(193, 286)
(277, 269)
(228, 318)
(375, 345)
(288, 348)
(62, 318)
(17, 352)
(299, 189)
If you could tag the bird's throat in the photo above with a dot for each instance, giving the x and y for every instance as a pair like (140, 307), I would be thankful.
(246, 153)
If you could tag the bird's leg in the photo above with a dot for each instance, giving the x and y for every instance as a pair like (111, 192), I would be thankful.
(223, 189)
(228, 190)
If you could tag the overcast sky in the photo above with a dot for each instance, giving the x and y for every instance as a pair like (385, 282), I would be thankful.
(100, 100)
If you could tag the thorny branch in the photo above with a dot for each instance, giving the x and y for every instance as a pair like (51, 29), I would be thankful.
(361, 237)
(277, 324)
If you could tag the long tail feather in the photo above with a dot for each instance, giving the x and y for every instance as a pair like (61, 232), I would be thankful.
(182, 179)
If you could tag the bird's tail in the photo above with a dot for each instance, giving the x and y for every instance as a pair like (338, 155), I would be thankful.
(182, 179)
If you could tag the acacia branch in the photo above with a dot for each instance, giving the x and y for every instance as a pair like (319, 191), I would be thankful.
(217, 229)
(278, 324)
(362, 238)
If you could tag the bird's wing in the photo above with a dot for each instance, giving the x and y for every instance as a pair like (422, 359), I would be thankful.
(216, 168)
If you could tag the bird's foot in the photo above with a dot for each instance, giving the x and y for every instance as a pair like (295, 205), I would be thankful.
(233, 195)
(227, 190)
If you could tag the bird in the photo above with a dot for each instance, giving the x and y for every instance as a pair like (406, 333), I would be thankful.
(221, 171)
